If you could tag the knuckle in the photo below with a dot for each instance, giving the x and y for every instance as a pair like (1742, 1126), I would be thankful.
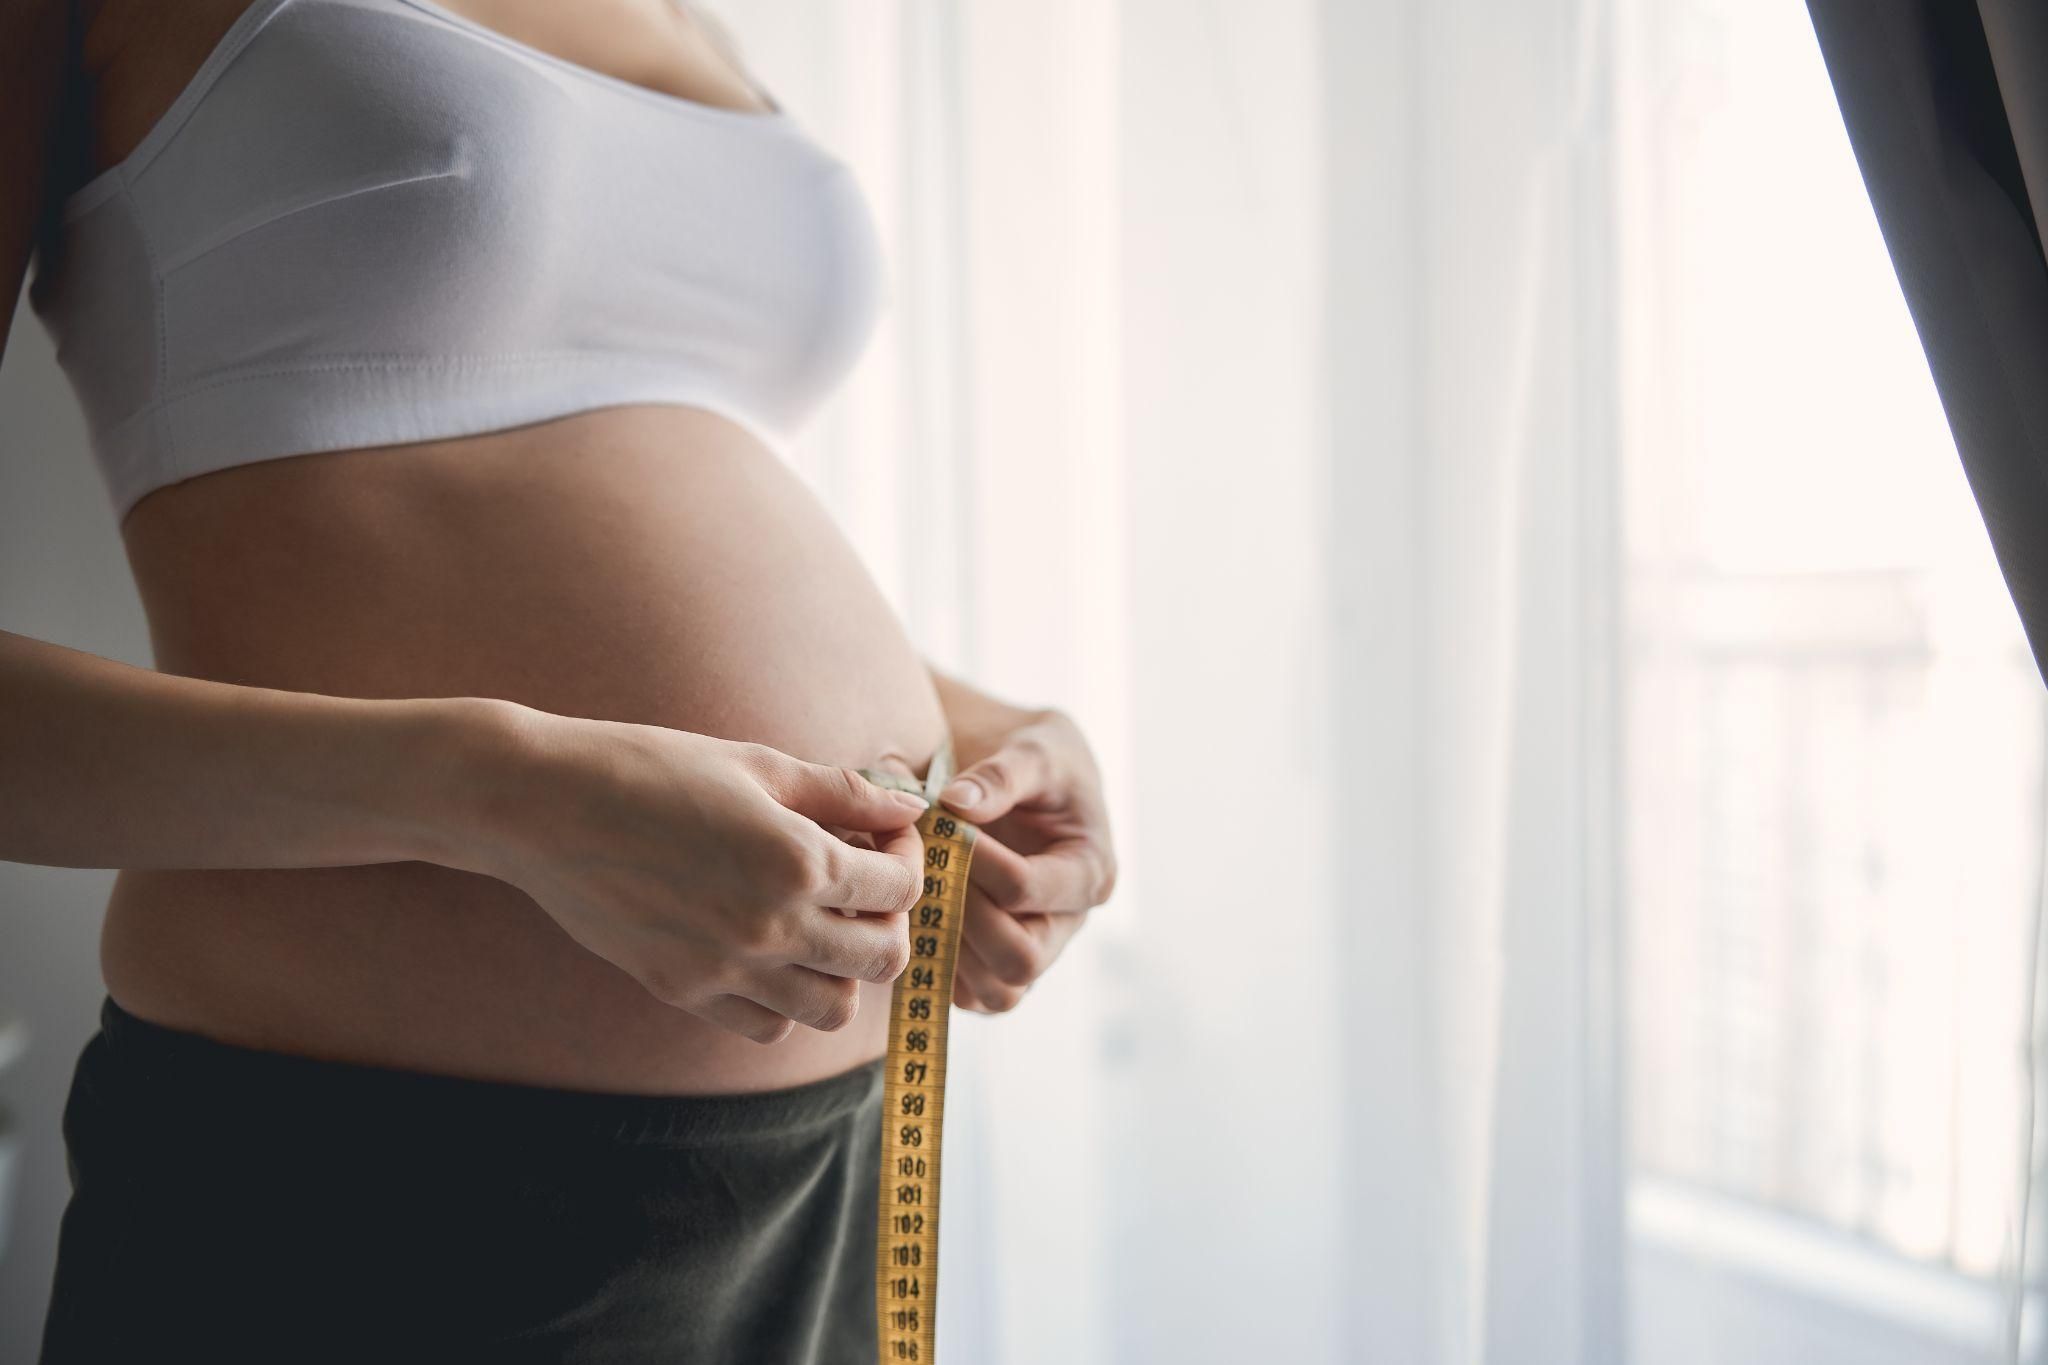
(1105, 881)
(679, 982)
(728, 976)
(851, 783)
(895, 954)
(996, 772)
(1017, 899)
(1032, 740)
(798, 868)
(1062, 735)
(818, 866)
(661, 982)
(757, 934)
(768, 1031)
(912, 890)
(1001, 999)
(840, 1009)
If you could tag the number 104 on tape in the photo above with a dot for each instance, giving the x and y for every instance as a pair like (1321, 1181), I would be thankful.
(914, 1085)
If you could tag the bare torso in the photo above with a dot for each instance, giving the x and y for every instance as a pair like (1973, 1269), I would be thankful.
(651, 564)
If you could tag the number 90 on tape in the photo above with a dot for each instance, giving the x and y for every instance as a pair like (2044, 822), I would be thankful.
(914, 1085)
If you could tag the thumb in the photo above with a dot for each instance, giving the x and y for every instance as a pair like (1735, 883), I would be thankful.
(989, 789)
(841, 796)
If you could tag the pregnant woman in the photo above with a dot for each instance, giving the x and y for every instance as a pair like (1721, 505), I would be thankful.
(500, 961)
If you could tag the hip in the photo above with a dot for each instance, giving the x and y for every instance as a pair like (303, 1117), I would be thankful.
(237, 1204)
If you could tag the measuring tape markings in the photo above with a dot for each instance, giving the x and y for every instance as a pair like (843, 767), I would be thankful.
(914, 1084)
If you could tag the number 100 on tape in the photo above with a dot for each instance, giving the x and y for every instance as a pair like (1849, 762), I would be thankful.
(914, 1100)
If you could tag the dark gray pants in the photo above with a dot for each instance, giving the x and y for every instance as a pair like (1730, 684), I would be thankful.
(235, 1205)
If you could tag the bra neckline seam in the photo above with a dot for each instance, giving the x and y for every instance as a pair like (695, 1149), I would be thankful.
(776, 117)
(105, 185)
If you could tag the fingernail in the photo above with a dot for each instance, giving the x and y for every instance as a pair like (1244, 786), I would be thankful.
(910, 800)
(961, 791)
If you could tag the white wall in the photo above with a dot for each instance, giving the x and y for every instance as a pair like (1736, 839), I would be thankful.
(63, 577)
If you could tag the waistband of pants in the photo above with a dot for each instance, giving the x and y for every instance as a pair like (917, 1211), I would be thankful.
(173, 1073)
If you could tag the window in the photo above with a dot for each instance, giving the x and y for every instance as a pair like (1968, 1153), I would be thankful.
(1833, 738)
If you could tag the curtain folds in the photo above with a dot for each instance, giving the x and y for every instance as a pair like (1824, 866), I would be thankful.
(1946, 104)
(1259, 367)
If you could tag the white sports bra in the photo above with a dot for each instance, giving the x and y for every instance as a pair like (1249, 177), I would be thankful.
(367, 222)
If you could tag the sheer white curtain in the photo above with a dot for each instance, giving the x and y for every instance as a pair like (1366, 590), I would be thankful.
(1475, 470)
(1834, 748)
(1495, 976)
(1263, 386)
(1250, 350)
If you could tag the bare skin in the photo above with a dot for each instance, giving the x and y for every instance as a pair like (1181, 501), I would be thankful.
(645, 855)
(645, 564)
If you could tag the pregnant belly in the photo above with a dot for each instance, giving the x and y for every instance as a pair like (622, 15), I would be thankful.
(643, 564)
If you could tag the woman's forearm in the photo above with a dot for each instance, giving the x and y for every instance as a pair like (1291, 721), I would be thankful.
(978, 721)
(106, 765)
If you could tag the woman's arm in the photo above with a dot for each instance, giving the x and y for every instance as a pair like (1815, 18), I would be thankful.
(706, 869)
(702, 867)
(979, 722)
(104, 765)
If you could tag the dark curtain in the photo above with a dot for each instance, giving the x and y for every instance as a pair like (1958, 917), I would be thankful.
(1946, 103)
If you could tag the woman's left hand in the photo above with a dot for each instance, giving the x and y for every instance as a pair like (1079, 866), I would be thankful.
(1042, 859)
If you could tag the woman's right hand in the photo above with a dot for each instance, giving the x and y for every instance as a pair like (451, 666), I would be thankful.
(702, 867)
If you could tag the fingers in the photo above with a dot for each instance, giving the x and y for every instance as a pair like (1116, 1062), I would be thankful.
(863, 948)
(963, 988)
(883, 882)
(859, 838)
(906, 844)
(1012, 950)
(746, 1018)
(988, 790)
(836, 796)
(828, 1003)
(893, 762)
(1066, 877)
(1003, 955)
(977, 988)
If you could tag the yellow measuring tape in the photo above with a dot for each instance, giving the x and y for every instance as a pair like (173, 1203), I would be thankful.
(914, 1086)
